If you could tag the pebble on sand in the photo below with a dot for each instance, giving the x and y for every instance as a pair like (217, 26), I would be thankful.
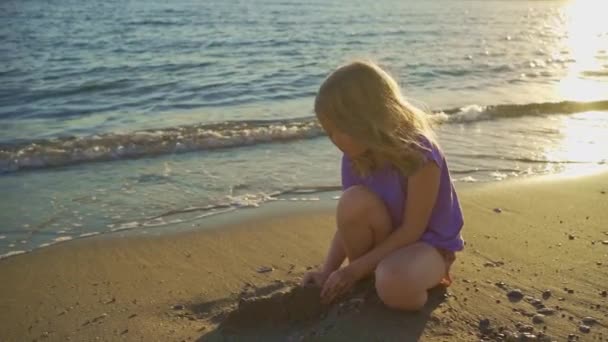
(484, 324)
(584, 328)
(525, 328)
(515, 295)
(546, 311)
(546, 294)
(589, 321)
(538, 319)
(265, 269)
(497, 210)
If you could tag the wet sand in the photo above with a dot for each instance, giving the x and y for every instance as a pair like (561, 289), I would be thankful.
(535, 263)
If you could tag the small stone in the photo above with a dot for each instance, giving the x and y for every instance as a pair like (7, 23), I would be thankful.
(525, 328)
(604, 293)
(515, 295)
(132, 315)
(538, 319)
(98, 318)
(124, 331)
(605, 242)
(546, 311)
(589, 321)
(527, 336)
(265, 269)
(546, 294)
(484, 324)
(584, 328)
(500, 284)
(497, 210)
(570, 291)
(498, 301)
(570, 236)
(177, 307)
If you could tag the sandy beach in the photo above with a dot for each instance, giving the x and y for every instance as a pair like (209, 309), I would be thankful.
(535, 263)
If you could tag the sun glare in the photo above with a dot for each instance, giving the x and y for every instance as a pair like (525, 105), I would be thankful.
(586, 30)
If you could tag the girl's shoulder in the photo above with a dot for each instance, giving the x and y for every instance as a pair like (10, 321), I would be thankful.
(431, 151)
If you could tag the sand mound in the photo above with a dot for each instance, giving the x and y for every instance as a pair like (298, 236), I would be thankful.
(297, 305)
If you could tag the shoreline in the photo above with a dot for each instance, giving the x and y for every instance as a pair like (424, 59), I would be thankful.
(286, 202)
(548, 236)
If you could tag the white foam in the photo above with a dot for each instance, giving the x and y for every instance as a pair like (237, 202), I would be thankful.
(126, 226)
(11, 253)
(88, 234)
(248, 200)
(63, 238)
(468, 113)
(498, 175)
(2, 237)
(467, 179)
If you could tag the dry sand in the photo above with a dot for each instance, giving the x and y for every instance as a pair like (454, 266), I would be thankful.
(237, 282)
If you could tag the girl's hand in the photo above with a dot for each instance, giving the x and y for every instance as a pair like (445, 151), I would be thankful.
(317, 278)
(338, 283)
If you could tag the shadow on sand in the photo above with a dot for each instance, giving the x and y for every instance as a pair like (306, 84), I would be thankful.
(276, 313)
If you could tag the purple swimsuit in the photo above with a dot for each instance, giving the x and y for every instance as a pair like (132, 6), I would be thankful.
(388, 184)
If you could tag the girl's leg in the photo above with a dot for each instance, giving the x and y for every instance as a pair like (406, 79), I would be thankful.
(403, 278)
(363, 221)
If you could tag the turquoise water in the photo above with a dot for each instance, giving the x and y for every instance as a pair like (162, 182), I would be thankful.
(146, 115)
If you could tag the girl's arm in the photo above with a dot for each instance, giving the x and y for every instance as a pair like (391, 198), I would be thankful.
(422, 188)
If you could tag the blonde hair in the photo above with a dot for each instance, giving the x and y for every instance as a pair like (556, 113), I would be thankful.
(364, 102)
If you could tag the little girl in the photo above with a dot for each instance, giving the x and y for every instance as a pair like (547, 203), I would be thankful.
(399, 215)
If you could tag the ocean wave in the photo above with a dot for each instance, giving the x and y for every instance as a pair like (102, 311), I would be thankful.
(204, 137)
(111, 146)
(595, 73)
(473, 113)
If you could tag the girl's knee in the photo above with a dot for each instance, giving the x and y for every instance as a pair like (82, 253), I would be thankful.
(397, 290)
(354, 202)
